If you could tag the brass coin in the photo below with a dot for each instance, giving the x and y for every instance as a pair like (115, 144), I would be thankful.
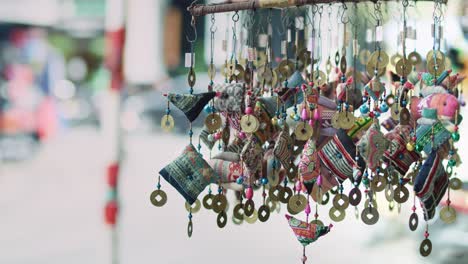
(413, 221)
(371, 70)
(225, 70)
(292, 172)
(346, 120)
(343, 64)
(221, 220)
(414, 58)
(401, 194)
(337, 215)
(374, 203)
(303, 131)
(158, 198)
(263, 213)
(191, 78)
(238, 211)
(395, 111)
(448, 214)
(390, 99)
(378, 184)
(370, 216)
(378, 59)
(317, 222)
(304, 57)
(238, 72)
(327, 198)
(334, 190)
(274, 79)
(249, 207)
(190, 228)
(341, 201)
(248, 75)
(195, 207)
(389, 193)
(426, 247)
(271, 204)
(435, 67)
(219, 203)
(286, 68)
(211, 71)
(357, 75)
(285, 194)
(208, 201)
(213, 122)
(395, 58)
(237, 221)
(439, 55)
(297, 203)
(249, 124)
(267, 75)
(364, 56)
(403, 67)
(355, 196)
(273, 193)
(334, 120)
(448, 63)
(405, 116)
(251, 219)
(455, 184)
(319, 78)
(167, 123)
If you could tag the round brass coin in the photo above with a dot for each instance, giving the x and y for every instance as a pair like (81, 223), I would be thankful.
(448, 214)
(317, 222)
(195, 207)
(167, 123)
(378, 59)
(297, 203)
(370, 216)
(389, 193)
(334, 120)
(219, 203)
(414, 58)
(436, 67)
(413, 221)
(403, 67)
(346, 120)
(213, 122)
(343, 64)
(355, 196)
(334, 190)
(319, 78)
(303, 131)
(341, 201)
(271, 204)
(378, 184)
(390, 99)
(455, 184)
(286, 68)
(251, 219)
(248, 75)
(263, 213)
(371, 70)
(158, 198)
(208, 201)
(439, 55)
(273, 193)
(337, 215)
(237, 221)
(426, 247)
(357, 75)
(249, 207)
(267, 75)
(221, 220)
(285, 194)
(238, 211)
(395, 58)
(211, 71)
(249, 124)
(327, 198)
(190, 228)
(191, 78)
(401, 194)
(364, 56)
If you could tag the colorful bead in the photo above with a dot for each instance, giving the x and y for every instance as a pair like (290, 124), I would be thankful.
(455, 136)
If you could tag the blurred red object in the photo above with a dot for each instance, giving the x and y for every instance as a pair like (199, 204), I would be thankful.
(112, 174)
(111, 212)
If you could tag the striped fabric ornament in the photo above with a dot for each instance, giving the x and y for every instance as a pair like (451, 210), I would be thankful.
(305, 232)
(191, 104)
(372, 146)
(284, 147)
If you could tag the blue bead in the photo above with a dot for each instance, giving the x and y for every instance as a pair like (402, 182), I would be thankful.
(220, 190)
(190, 215)
(364, 99)
(338, 155)
(384, 107)
(168, 111)
(240, 180)
(377, 114)
(400, 156)
(208, 109)
(264, 181)
(364, 109)
(158, 186)
(403, 103)
(190, 132)
(297, 118)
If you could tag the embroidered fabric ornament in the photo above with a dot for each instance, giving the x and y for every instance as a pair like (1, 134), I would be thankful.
(231, 97)
(287, 96)
(361, 125)
(191, 104)
(309, 165)
(446, 106)
(189, 174)
(205, 139)
(252, 156)
(266, 130)
(431, 184)
(305, 232)
(429, 126)
(372, 146)
(338, 155)
(397, 153)
(283, 148)
(236, 145)
(327, 109)
(228, 171)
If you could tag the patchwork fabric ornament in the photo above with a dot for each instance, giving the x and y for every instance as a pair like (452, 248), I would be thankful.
(429, 126)
(338, 155)
(191, 104)
(309, 165)
(431, 184)
(204, 136)
(228, 171)
(372, 146)
(305, 232)
(287, 96)
(397, 153)
(284, 147)
(230, 97)
(189, 174)
(236, 145)
(359, 128)
(252, 157)
(327, 109)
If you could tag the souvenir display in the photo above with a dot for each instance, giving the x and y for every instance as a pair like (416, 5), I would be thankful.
(308, 128)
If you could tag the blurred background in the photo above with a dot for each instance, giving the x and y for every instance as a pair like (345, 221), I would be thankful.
(65, 88)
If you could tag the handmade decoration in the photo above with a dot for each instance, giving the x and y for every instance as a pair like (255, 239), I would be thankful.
(303, 124)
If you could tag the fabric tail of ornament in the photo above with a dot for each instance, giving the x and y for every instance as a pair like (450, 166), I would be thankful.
(114, 47)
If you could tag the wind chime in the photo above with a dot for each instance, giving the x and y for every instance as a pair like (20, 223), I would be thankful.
(303, 136)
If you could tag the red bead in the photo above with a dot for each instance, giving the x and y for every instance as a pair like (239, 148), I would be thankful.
(112, 174)
(455, 128)
(426, 234)
(110, 212)
(371, 115)
(311, 84)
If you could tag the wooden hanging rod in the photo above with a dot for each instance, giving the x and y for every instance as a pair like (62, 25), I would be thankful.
(201, 10)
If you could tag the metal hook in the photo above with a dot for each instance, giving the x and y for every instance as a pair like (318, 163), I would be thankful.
(192, 25)
(213, 27)
(235, 17)
(344, 19)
